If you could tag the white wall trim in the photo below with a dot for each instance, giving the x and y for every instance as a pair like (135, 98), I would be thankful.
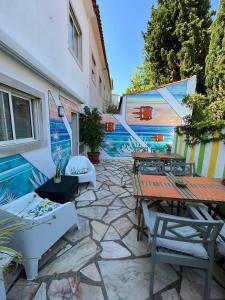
(9, 46)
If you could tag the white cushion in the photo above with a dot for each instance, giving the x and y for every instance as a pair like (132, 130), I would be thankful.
(194, 249)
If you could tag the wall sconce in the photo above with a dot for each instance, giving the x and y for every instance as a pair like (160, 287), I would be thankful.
(60, 111)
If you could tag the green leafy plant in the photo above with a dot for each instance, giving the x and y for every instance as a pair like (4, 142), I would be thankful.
(202, 132)
(58, 171)
(112, 109)
(7, 228)
(91, 129)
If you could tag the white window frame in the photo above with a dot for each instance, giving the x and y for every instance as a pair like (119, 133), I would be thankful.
(15, 140)
(93, 70)
(76, 26)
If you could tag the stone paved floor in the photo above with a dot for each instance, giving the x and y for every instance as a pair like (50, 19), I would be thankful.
(103, 260)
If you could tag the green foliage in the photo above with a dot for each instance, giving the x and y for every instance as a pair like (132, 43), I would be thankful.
(202, 132)
(7, 228)
(58, 171)
(176, 44)
(91, 129)
(192, 31)
(112, 109)
(215, 65)
(197, 102)
(161, 44)
(141, 79)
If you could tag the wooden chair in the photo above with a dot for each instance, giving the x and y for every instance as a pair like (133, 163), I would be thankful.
(181, 241)
(152, 167)
(200, 212)
(181, 168)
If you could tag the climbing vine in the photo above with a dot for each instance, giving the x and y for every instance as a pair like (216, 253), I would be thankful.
(202, 132)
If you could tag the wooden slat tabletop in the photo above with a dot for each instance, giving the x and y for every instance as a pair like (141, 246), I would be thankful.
(141, 155)
(199, 189)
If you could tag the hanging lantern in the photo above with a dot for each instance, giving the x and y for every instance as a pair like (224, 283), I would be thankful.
(158, 137)
(144, 113)
(109, 126)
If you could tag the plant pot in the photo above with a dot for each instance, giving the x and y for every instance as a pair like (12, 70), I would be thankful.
(57, 179)
(94, 157)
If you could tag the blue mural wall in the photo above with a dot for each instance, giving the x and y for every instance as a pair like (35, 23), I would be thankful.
(17, 178)
(60, 138)
(148, 115)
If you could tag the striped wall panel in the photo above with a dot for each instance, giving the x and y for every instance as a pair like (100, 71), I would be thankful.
(209, 158)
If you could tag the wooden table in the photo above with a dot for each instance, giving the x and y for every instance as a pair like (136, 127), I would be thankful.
(160, 188)
(145, 156)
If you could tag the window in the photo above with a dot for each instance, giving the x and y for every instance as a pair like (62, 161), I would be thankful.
(16, 117)
(100, 86)
(75, 36)
(93, 69)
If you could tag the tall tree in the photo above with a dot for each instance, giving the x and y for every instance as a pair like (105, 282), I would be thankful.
(215, 65)
(161, 43)
(192, 31)
(177, 41)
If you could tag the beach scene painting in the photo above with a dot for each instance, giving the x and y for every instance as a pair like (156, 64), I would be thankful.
(146, 119)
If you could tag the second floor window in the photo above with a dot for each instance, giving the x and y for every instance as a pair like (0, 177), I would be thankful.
(100, 86)
(75, 36)
(93, 69)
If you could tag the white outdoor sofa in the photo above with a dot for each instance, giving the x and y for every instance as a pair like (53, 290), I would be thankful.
(41, 223)
(78, 163)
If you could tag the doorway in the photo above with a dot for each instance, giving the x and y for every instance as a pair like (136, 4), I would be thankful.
(75, 133)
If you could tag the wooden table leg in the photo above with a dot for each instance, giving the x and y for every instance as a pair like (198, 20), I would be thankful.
(139, 220)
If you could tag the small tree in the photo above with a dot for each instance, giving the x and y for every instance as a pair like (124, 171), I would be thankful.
(91, 129)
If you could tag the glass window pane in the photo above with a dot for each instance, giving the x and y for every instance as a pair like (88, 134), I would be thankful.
(22, 118)
(71, 39)
(76, 43)
(6, 133)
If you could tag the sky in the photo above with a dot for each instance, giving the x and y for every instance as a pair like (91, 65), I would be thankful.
(123, 21)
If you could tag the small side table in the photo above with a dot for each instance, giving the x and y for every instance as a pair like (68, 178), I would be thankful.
(59, 192)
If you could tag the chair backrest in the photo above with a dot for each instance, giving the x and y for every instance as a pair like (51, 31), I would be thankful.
(181, 168)
(186, 230)
(141, 149)
(152, 167)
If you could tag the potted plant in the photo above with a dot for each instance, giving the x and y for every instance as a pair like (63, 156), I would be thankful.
(57, 177)
(92, 132)
(168, 148)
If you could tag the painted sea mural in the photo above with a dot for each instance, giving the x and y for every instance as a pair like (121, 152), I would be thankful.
(17, 178)
(60, 138)
(147, 119)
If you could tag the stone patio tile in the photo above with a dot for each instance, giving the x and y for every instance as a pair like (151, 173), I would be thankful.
(23, 289)
(104, 202)
(138, 248)
(133, 217)
(70, 289)
(91, 272)
(130, 202)
(124, 195)
(122, 226)
(86, 196)
(115, 180)
(113, 250)
(99, 230)
(114, 214)
(170, 295)
(117, 190)
(58, 246)
(41, 293)
(102, 194)
(118, 203)
(93, 212)
(77, 234)
(129, 278)
(192, 285)
(111, 235)
(83, 203)
(67, 247)
(72, 260)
